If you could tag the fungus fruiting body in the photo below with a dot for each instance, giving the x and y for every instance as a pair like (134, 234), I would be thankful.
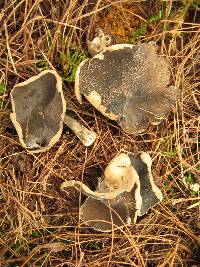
(129, 84)
(125, 191)
(39, 112)
(99, 42)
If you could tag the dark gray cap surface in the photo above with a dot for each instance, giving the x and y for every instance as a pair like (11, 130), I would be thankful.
(132, 82)
(149, 192)
(38, 110)
(109, 215)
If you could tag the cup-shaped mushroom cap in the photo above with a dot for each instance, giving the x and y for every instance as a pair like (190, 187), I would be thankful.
(129, 84)
(116, 202)
(38, 110)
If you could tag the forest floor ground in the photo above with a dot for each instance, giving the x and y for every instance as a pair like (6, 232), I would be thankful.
(39, 223)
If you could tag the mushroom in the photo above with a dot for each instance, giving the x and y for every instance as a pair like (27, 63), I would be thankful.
(129, 84)
(125, 191)
(39, 110)
(99, 42)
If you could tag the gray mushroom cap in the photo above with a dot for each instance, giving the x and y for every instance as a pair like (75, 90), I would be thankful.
(116, 203)
(106, 216)
(148, 192)
(129, 84)
(39, 113)
(38, 110)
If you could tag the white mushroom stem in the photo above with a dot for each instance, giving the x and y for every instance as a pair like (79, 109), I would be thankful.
(86, 136)
(88, 192)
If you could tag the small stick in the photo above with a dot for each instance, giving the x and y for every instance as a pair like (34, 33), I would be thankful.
(86, 136)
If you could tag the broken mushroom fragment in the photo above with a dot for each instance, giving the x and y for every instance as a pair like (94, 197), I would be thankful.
(86, 136)
(129, 84)
(99, 42)
(125, 191)
(39, 110)
(149, 192)
(119, 176)
(108, 215)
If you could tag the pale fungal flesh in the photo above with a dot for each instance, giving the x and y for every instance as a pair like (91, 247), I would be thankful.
(129, 84)
(39, 110)
(86, 136)
(99, 42)
(119, 176)
(125, 191)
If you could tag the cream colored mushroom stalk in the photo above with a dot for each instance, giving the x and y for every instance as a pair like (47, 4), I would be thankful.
(124, 192)
(86, 136)
(127, 83)
(39, 110)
